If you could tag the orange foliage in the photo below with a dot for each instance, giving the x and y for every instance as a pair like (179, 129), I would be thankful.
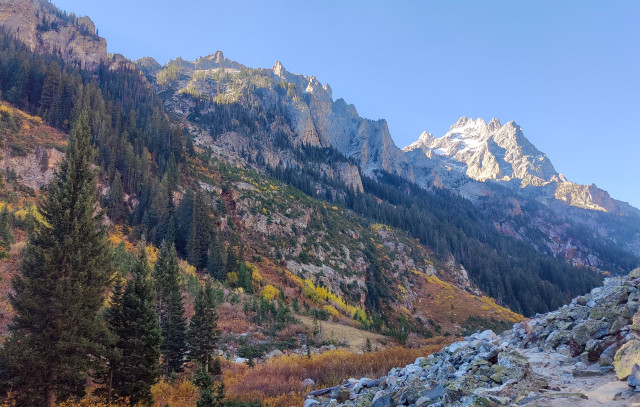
(180, 394)
(232, 319)
(278, 381)
(90, 401)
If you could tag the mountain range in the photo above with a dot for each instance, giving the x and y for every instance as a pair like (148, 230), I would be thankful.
(479, 181)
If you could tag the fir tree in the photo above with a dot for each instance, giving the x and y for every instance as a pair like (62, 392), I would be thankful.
(116, 198)
(198, 245)
(170, 309)
(138, 337)
(216, 264)
(210, 396)
(6, 235)
(203, 331)
(57, 331)
(113, 354)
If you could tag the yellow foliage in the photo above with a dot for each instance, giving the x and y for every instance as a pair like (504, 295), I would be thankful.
(377, 226)
(187, 269)
(31, 210)
(152, 253)
(182, 394)
(297, 280)
(256, 277)
(89, 401)
(309, 291)
(232, 278)
(269, 292)
(320, 294)
(332, 311)
(335, 208)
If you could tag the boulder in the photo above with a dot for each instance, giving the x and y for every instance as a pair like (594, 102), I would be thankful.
(635, 273)
(311, 403)
(627, 356)
(382, 400)
(634, 378)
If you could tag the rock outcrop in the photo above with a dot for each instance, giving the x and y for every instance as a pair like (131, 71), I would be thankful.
(44, 28)
(586, 353)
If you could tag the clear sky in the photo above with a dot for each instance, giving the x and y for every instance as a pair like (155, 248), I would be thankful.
(567, 71)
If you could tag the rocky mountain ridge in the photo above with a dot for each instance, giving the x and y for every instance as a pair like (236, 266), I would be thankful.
(44, 28)
(584, 354)
(491, 164)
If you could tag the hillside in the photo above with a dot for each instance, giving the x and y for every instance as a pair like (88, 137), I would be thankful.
(491, 164)
(246, 134)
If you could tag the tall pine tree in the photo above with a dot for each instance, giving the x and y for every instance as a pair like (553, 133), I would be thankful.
(198, 245)
(203, 329)
(113, 354)
(6, 235)
(217, 253)
(57, 331)
(170, 309)
(138, 337)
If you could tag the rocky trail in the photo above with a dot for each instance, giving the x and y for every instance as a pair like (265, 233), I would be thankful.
(584, 354)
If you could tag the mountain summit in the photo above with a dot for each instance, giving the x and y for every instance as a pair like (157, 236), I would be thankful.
(491, 151)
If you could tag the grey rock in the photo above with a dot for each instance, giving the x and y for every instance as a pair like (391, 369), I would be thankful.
(311, 403)
(382, 401)
(634, 378)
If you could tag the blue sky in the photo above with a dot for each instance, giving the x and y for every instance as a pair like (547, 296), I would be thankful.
(567, 71)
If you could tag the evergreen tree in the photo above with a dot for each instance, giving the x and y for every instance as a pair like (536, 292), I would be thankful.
(210, 396)
(138, 337)
(203, 331)
(216, 264)
(116, 207)
(6, 235)
(113, 354)
(57, 331)
(170, 309)
(198, 245)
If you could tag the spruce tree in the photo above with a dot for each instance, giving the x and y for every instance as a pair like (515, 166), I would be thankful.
(203, 331)
(113, 354)
(57, 332)
(216, 264)
(116, 208)
(198, 245)
(170, 309)
(138, 336)
(6, 235)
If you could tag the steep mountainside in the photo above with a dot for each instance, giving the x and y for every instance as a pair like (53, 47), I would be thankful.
(44, 28)
(493, 165)
(281, 130)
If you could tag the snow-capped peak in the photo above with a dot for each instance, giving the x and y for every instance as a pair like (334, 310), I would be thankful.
(489, 151)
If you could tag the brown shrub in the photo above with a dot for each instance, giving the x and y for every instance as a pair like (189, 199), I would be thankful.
(280, 380)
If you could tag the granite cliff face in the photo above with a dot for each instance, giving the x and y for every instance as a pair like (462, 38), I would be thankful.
(500, 153)
(490, 151)
(44, 28)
